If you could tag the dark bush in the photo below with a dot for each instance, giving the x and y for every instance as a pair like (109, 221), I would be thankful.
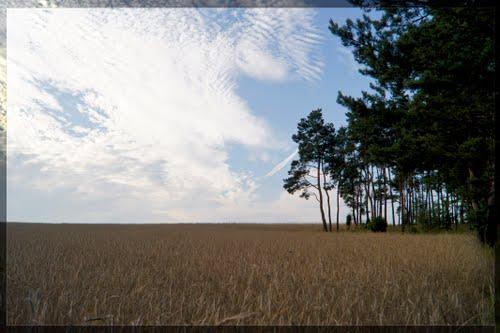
(378, 224)
(416, 228)
(484, 222)
(426, 224)
(348, 220)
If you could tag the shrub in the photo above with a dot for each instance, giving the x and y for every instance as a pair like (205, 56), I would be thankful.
(416, 228)
(425, 224)
(348, 220)
(378, 224)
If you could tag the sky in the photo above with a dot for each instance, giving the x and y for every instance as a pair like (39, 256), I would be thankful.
(165, 115)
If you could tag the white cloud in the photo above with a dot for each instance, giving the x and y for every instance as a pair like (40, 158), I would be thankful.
(129, 106)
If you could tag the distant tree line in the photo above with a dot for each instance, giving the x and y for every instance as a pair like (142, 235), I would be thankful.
(419, 148)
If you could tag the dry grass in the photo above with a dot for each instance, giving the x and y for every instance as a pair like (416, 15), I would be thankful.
(243, 274)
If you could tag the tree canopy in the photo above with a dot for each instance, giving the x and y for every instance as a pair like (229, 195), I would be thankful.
(422, 139)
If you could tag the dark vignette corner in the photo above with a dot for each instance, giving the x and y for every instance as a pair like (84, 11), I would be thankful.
(3, 166)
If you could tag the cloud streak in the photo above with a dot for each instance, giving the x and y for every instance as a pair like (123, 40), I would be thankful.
(281, 164)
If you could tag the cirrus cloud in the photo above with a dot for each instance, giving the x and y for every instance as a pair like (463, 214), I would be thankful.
(138, 106)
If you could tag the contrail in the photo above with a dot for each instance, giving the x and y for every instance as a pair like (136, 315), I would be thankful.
(281, 164)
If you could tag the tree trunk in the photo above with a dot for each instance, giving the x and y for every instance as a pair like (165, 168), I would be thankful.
(409, 200)
(455, 211)
(492, 226)
(354, 216)
(447, 215)
(380, 201)
(439, 204)
(367, 210)
(392, 201)
(403, 212)
(474, 203)
(461, 208)
(432, 204)
(327, 199)
(358, 205)
(325, 228)
(368, 199)
(385, 193)
(374, 201)
(338, 205)
(428, 201)
(416, 209)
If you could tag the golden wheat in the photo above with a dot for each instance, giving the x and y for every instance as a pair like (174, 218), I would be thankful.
(243, 274)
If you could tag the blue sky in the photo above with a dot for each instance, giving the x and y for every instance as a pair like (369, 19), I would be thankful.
(284, 104)
(166, 115)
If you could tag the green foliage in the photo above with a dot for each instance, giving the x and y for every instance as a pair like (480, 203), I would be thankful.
(377, 224)
(307, 175)
(430, 114)
(311, 138)
(417, 229)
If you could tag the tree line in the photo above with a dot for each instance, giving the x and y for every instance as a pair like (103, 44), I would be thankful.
(419, 147)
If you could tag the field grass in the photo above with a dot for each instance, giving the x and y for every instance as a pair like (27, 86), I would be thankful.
(244, 274)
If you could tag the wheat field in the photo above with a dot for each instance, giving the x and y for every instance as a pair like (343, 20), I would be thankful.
(214, 274)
